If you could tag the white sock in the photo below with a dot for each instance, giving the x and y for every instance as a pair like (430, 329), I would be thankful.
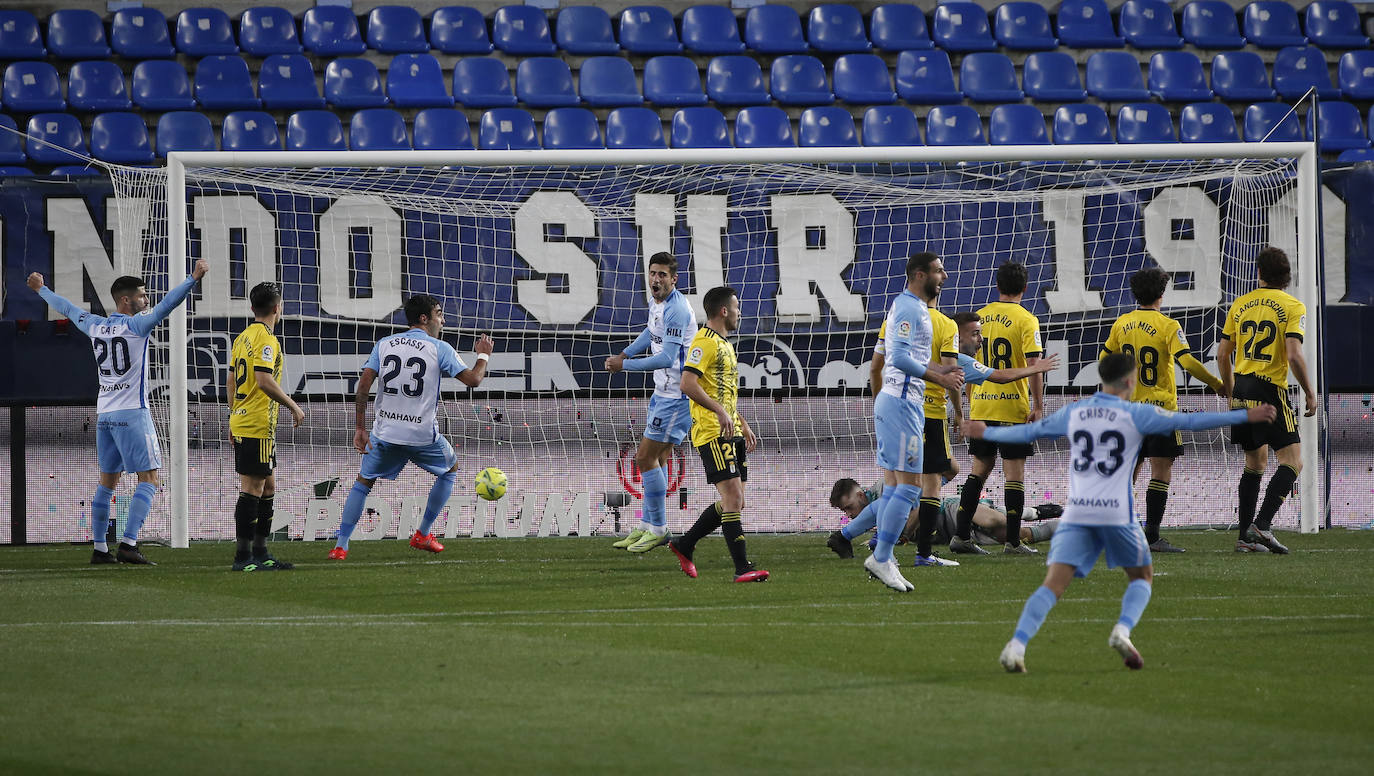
(658, 530)
(102, 547)
(129, 542)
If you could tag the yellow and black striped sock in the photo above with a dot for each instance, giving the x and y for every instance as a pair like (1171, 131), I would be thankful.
(703, 527)
(1016, 502)
(733, 530)
(1156, 496)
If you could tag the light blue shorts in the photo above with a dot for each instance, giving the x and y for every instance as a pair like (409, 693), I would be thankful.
(386, 460)
(126, 441)
(900, 428)
(669, 419)
(1080, 545)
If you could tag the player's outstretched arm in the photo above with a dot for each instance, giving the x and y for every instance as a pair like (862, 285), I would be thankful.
(1298, 364)
(691, 388)
(1157, 420)
(84, 320)
(473, 375)
(360, 439)
(1195, 368)
(1011, 375)
(641, 343)
(1056, 425)
(146, 323)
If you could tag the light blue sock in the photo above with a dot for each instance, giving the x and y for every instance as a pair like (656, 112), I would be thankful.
(1134, 601)
(655, 493)
(866, 519)
(353, 511)
(1033, 615)
(892, 520)
(139, 507)
(438, 497)
(100, 513)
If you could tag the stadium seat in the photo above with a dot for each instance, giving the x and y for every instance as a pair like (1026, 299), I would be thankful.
(1207, 122)
(799, 79)
(774, 29)
(442, 129)
(353, 82)
(76, 171)
(1299, 68)
(1052, 76)
(1176, 76)
(837, 29)
(890, 125)
(20, 36)
(571, 128)
(120, 137)
(1114, 76)
(1023, 26)
(926, 78)
(711, 29)
(584, 30)
(162, 84)
(1356, 155)
(184, 130)
(457, 29)
(702, 127)
(1240, 76)
(950, 125)
(266, 30)
(672, 80)
(287, 82)
(634, 128)
(989, 76)
(1211, 24)
(763, 126)
(141, 33)
(647, 29)
(16, 172)
(1355, 74)
(507, 129)
(899, 27)
(315, 130)
(97, 86)
(1017, 125)
(396, 29)
(1144, 123)
(1081, 124)
(32, 87)
(606, 82)
(1149, 24)
(378, 129)
(249, 130)
(12, 144)
(736, 79)
(52, 135)
(1272, 24)
(223, 82)
(520, 30)
(205, 32)
(482, 82)
(1272, 121)
(416, 81)
(863, 79)
(545, 82)
(331, 31)
(961, 27)
(1335, 24)
(828, 126)
(1339, 127)
(77, 33)
(1086, 24)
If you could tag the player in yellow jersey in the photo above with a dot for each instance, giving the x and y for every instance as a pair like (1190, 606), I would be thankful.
(1264, 331)
(254, 393)
(1157, 342)
(710, 378)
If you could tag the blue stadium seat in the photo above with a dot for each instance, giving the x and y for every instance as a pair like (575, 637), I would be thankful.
(1271, 24)
(763, 126)
(606, 82)
(331, 31)
(16, 172)
(315, 130)
(1211, 24)
(926, 78)
(961, 26)
(584, 30)
(457, 29)
(50, 133)
(353, 82)
(829, 127)
(141, 33)
(1356, 155)
(97, 86)
(890, 125)
(899, 27)
(1298, 68)
(265, 30)
(205, 32)
(1240, 76)
(702, 127)
(774, 29)
(223, 83)
(545, 82)
(736, 79)
(1022, 26)
(76, 171)
(634, 128)
(77, 33)
(1017, 125)
(184, 130)
(12, 145)
(950, 125)
(120, 137)
(1207, 122)
(647, 29)
(396, 29)
(837, 29)
(1149, 24)
(989, 76)
(571, 128)
(162, 84)
(672, 80)
(249, 130)
(799, 79)
(1114, 76)
(1081, 124)
(1355, 73)
(20, 36)
(711, 29)
(416, 81)
(1339, 127)
(520, 30)
(1086, 24)
(482, 82)
(1335, 24)
(863, 79)
(31, 87)
(1273, 121)
(378, 129)
(1052, 76)
(287, 82)
(1176, 76)
(442, 129)
(507, 129)
(1144, 123)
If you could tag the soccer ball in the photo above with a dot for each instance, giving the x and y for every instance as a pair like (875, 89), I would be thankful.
(491, 483)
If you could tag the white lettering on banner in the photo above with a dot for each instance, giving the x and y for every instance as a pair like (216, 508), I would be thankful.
(222, 221)
(543, 514)
(376, 524)
(561, 520)
(385, 257)
(656, 217)
(563, 257)
(1064, 213)
(548, 372)
(79, 251)
(1198, 254)
(458, 503)
(1284, 215)
(501, 520)
(842, 374)
(321, 515)
(802, 265)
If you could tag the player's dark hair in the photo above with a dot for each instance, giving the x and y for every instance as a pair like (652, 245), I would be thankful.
(717, 298)
(420, 304)
(1011, 278)
(125, 285)
(1274, 268)
(664, 259)
(920, 262)
(1148, 285)
(842, 488)
(1115, 367)
(968, 316)
(263, 298)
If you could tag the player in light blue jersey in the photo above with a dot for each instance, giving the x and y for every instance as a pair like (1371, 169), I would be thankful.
(1104, 431)
(672, 323)
(125, 440)
(406, 429)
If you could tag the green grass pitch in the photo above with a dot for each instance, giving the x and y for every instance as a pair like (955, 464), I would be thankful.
(563, 656)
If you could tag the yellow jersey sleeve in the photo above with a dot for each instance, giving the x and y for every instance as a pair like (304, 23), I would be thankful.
(701, 353)
(1113, 343)
(880, 347)
(1297, 320)
(1030, 334)
(1175, 339)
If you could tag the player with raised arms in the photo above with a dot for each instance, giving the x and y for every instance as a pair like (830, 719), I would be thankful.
(125, 439)
(406, 429)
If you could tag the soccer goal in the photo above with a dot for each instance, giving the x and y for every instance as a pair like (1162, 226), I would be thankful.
(546, 251)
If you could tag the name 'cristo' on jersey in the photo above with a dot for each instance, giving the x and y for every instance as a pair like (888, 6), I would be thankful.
(409, 367)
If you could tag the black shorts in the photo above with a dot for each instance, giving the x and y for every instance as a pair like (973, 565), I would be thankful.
(1162, 446)
(937, 456)
(1251, 391)
(255, 456)
(724, 459)
(982, 448)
